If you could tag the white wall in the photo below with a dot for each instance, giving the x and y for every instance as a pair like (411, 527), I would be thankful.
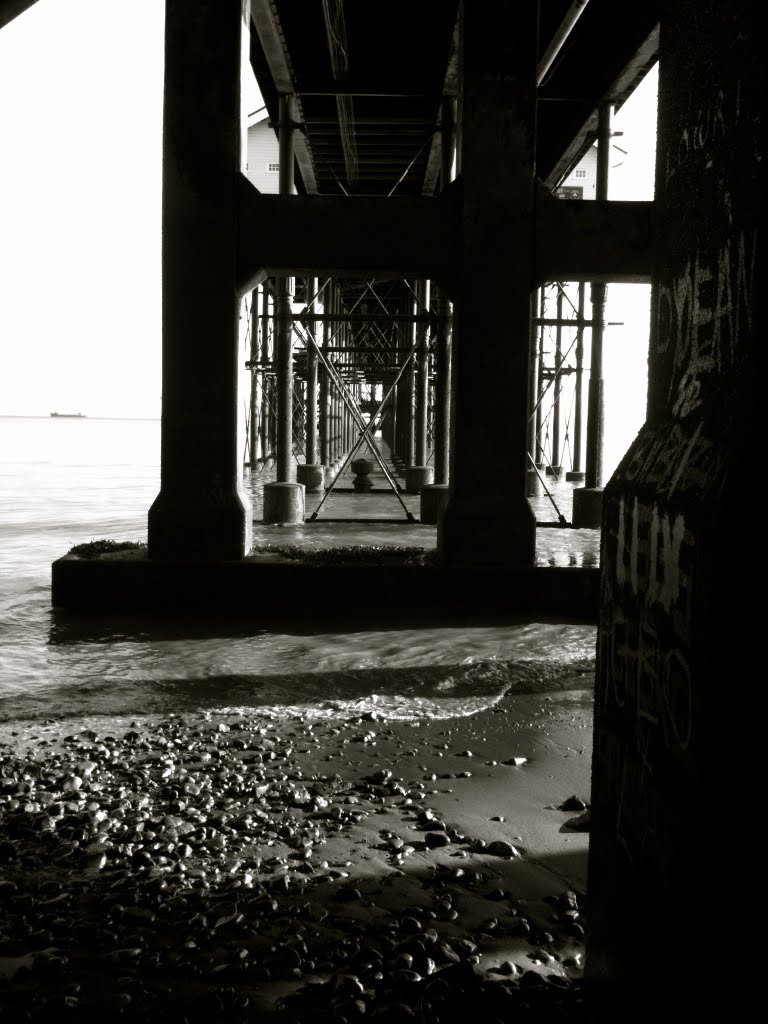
(263, 152)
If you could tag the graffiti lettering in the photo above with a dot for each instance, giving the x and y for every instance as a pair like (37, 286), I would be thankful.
(702, 314)
(707, 126)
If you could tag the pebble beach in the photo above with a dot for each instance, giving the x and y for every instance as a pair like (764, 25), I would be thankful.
(243, 865)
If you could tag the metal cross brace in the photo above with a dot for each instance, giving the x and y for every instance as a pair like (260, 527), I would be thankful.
(366, 428)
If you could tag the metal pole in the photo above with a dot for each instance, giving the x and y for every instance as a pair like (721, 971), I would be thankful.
(556, 412)
(284, 319)
(595, 410)
(538, 444)
(577, 428)
(325, 384)
(443, 391)
(267, 385)
(447, 124)
(335, 398)
(422, 384)
(254, 426)
(443, 341)
(533, 377)
(310, 454)
(548, 58)
(409, 439)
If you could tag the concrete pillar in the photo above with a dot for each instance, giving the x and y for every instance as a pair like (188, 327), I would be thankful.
(681, 607)
(488, 519)
(286, 503)
(201, 511)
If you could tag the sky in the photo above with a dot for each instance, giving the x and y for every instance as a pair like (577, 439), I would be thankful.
(80, 191)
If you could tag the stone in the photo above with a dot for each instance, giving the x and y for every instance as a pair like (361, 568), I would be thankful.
(501, 848)
(573, 803)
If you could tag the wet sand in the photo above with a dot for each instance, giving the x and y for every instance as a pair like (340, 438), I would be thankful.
(253, 867)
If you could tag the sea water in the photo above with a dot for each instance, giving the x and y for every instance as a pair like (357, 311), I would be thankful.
(66, 481)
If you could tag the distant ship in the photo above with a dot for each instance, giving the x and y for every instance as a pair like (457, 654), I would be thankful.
(68, 415)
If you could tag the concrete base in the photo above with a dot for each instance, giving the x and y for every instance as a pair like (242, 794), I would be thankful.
(434, 500)
(215, 526)
(587, 507)
(312, 475)
(533, 483)
(575, 475)
(417, 477)
(270, 590)
(488, 530)
(553, 470)
(283, 503)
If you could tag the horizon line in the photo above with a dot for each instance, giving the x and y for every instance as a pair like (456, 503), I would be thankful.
(85, 416)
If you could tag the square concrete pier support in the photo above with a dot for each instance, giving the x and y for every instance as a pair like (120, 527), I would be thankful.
(201, 510)
(488, 519)
(681, 608)
(587, 507)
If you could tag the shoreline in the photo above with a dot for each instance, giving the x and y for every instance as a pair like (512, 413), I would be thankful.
(329, 831)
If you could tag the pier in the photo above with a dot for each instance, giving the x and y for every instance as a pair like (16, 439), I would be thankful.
(397, 287)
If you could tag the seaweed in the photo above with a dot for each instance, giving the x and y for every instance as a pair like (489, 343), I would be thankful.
(94, 548)
(376, 554)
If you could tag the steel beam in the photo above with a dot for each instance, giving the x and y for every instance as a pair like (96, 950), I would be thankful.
(12, 9)
(264, 21)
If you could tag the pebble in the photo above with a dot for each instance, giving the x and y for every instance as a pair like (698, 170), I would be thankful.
(177, 857)
(501, 848)
(437, 839)
(573, 803)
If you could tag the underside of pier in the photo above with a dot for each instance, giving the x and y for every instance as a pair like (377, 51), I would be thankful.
(415, 225)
